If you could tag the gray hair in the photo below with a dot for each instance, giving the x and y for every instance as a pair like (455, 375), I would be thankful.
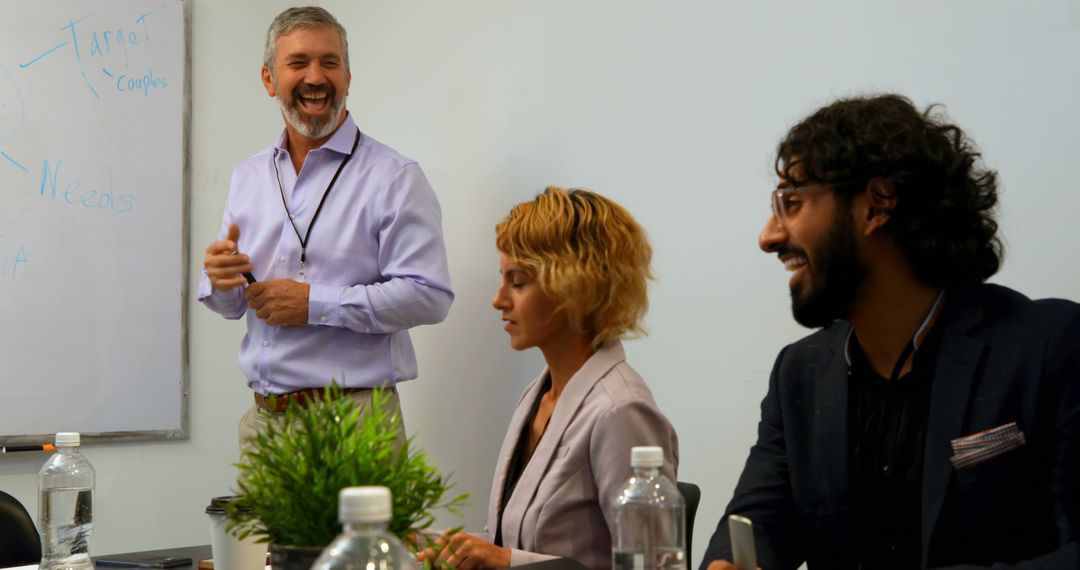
(300, 17)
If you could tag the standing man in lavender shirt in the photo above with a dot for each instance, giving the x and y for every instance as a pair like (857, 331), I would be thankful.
(331, 243)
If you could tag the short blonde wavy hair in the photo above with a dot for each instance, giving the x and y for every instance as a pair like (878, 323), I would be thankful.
(588, 253)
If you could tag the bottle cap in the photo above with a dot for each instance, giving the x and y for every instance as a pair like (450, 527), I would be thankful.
(643, 456)
(364, 504)
(67, 439)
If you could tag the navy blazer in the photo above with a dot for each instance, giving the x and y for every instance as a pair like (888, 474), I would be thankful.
(1002, 358)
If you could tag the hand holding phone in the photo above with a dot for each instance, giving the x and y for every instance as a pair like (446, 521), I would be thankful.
(743, 550)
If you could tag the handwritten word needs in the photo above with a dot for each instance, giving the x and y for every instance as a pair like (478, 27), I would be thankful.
(14, 261)
(69, 190)
(144, 84)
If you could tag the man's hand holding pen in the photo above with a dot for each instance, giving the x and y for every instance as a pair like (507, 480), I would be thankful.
(224, 265)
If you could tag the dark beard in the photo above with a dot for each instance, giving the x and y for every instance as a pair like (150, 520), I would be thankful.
(833, 279)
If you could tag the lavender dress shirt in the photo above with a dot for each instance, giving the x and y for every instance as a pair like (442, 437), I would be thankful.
(375, 260)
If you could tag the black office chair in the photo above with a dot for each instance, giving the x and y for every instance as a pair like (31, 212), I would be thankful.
(691, 495)
(20, 544)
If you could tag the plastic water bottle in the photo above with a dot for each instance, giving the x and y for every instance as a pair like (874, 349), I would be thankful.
(66, 510)
(650, 517)
(366, 541)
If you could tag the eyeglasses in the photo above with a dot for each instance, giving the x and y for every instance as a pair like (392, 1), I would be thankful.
(784, 204)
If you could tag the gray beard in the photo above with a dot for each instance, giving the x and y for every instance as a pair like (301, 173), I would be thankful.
(318, 127)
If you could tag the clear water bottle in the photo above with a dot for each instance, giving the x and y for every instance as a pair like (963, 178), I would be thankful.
(366, 541)
(650, 517)
(66, 510)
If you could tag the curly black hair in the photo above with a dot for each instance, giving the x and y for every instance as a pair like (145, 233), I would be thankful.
(945, 198)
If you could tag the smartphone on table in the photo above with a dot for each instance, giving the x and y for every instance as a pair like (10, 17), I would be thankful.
(137, 561)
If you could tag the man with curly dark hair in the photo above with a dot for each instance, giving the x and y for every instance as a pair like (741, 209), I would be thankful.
(934, 420)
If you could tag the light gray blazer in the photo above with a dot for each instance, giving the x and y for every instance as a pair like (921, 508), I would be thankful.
(561, 506)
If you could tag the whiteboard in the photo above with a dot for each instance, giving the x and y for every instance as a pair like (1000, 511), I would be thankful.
(93, 197)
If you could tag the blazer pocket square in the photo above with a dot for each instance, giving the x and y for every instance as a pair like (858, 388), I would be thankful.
(978, 447)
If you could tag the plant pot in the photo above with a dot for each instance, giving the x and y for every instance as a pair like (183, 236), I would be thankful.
(285, 557)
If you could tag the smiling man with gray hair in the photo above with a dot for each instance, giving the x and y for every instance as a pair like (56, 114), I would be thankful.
(331, 243)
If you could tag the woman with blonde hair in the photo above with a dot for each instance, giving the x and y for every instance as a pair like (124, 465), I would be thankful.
(574, 267)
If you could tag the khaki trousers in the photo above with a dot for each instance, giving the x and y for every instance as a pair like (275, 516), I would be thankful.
(255, 421)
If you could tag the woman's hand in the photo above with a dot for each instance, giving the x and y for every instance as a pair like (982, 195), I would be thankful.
(464, 551)
(723, 565)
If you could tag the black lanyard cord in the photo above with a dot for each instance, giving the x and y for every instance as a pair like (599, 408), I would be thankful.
(281, 189)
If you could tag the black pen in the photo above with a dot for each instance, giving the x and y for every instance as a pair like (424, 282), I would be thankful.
(247, 274)
(39, 447)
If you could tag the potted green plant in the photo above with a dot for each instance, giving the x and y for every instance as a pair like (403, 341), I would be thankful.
(288, 483)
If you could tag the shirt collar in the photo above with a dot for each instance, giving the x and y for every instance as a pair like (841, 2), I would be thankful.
(847, 346)
(915, 339)
(340, 142)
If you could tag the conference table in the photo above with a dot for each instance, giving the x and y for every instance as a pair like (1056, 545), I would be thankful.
(197, 553)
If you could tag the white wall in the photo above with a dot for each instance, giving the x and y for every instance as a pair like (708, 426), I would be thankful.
(673, 109)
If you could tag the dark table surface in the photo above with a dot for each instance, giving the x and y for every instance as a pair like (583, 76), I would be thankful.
(196, 553)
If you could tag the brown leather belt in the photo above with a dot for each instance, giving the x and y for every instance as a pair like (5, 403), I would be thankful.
(280, 402)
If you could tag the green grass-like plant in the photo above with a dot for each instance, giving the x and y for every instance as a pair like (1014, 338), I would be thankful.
(289, 482)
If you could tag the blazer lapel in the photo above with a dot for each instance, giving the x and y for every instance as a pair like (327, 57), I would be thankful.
(954, 375)
(830, 376)
(509, 446)
(581, 383)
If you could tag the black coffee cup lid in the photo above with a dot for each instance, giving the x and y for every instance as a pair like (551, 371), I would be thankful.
(217, 504)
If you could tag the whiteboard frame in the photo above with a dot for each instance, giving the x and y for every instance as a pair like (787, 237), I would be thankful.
(184, 431)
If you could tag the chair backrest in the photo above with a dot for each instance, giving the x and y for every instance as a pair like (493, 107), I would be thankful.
(19, 541)
(691, 495)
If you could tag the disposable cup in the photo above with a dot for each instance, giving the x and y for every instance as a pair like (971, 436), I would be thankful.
(231, 553)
